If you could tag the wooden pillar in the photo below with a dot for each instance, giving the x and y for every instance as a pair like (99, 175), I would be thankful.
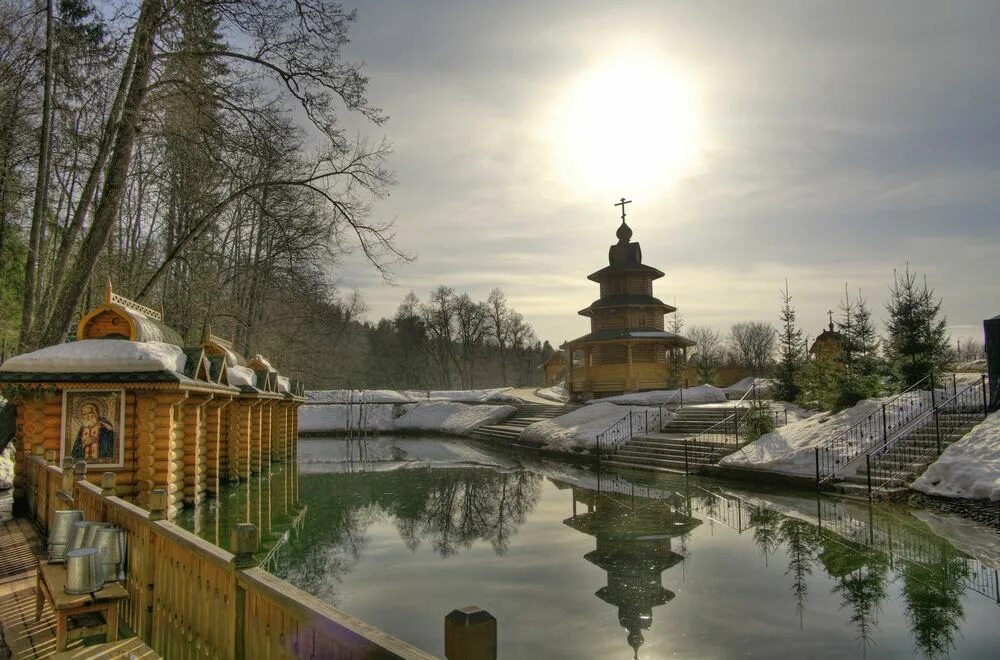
(630, 385)
(215, 435)
(587, 380)
(256, 431)
(195, 448)
(266, 408)
(238, 466)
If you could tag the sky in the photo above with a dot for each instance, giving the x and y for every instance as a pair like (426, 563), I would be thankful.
(826, 143)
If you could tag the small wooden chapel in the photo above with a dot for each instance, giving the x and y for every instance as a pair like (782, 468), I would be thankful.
(128, 397)
(627, 349)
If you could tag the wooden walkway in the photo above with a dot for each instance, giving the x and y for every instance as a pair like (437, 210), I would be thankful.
(22, 636)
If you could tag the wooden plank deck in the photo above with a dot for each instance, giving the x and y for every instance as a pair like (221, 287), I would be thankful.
(22, 636)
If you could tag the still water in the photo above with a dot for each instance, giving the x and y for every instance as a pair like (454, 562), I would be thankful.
(579, 564)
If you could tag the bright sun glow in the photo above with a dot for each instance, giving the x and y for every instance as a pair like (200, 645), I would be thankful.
(627, 128)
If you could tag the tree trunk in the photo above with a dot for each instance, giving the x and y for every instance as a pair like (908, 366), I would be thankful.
(41, 183)
(78, 275)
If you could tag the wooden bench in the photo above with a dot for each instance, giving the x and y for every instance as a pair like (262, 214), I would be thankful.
(50, 585)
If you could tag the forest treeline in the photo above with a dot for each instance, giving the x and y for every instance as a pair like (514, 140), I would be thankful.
(191, 152)
(448, 341)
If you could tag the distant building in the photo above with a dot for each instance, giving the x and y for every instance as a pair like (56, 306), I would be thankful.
(555, 367)
(829, 342)
(627, 349)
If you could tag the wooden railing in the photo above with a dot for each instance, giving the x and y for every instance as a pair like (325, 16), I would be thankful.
(190, 598)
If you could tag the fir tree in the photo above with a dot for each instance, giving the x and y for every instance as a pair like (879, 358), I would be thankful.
(859, 378)
(790, 349)
(918, 342)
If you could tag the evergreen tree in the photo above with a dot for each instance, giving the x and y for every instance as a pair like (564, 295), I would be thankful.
(859, 377)
(790, 352)
(918, 342)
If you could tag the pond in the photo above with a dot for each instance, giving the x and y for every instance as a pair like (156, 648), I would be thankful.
(579, 564)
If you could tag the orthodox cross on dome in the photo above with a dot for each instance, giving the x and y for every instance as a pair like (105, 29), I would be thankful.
(622, 204)
(829, 313)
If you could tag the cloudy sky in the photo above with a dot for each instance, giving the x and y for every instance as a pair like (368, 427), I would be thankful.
(826, 143)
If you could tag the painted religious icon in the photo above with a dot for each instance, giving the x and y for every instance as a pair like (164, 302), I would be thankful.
(92, 427)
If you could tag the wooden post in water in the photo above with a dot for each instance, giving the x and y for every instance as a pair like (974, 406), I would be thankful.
(470, 633)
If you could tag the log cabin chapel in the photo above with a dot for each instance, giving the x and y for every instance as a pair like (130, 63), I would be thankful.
(627, 349)
(127, 397)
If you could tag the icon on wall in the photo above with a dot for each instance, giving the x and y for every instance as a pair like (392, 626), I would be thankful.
(92, 427)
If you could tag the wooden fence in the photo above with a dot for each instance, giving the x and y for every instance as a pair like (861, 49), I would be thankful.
(189, 598)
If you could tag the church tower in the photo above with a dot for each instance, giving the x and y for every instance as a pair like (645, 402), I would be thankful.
(627, 349)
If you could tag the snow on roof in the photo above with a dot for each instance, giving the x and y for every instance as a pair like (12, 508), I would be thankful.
(241, 376)
(284, 385)
(100, 356)
(970, 468)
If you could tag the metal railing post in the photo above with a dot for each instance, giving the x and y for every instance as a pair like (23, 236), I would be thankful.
(868, 471)
(885, 428)
(986, 405)
(817, 467)
(647, 423)
(686, 470)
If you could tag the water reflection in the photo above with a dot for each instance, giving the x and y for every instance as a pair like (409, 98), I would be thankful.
(633, 537)
(830, 551)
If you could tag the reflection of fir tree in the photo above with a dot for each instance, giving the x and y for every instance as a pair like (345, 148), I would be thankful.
(934, 604)
(802, 541)
(765, 525)
(863, 591)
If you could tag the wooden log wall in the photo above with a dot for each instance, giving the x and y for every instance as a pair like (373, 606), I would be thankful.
(214, 443)
(256, 429)
(266, 409)
(146, 414)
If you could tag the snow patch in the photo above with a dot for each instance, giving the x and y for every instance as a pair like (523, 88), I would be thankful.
(7, 467)
(496, 395)
(555, 393)
(337, 417)
(744, 385)
(699, 394)
(451, 417)
(578, 429)
(99, 356)
(791, 448)
(970, 468)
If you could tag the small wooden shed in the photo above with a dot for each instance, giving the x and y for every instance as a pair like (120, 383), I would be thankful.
(127, 397)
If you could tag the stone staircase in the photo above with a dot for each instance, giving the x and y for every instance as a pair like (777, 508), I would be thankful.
(920, 443)
(664, 451)
(509, 430)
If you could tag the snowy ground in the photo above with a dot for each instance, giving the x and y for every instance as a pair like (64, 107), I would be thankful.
(555, 393)
(743, 386)
(970, 468)
(692, 395)
(578, 429)
(495, 395)
(435, 416)
(790, 449)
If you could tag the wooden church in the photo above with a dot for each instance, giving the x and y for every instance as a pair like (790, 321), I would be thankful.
(128, 397)
(627, 349)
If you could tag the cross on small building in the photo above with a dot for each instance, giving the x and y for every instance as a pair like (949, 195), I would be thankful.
(829, 313)
(622, 204)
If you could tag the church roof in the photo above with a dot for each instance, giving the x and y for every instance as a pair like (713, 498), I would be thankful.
(601, 274)
(658, 336)
(627, 300)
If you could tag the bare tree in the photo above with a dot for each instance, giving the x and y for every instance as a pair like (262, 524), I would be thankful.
(708, 352)
(753, 342)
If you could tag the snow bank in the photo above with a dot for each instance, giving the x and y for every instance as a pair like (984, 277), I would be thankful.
(554, 393)
(970, 468)
(336, 418)
(791, 448)
(699, 394)
(450, 417)
(743, 386)
(99, 356)
(498, 395)
(578, 429)
(434, 416)
(7, 467)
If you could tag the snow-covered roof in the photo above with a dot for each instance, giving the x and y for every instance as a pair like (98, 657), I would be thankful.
(100, 356)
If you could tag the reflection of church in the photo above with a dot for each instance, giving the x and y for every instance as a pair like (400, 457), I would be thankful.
(634, 548)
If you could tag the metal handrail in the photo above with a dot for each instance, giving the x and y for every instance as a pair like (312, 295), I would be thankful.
(620, 432)
(898, 457)
(881, 424)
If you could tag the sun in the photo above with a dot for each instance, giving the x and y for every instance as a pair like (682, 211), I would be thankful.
(628, 126)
